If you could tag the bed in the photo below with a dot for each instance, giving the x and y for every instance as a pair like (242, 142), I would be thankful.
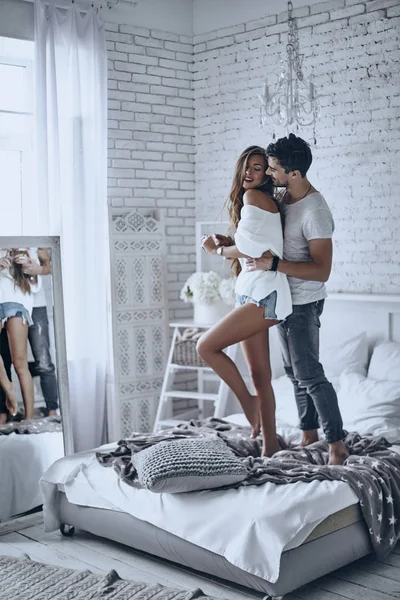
(287, 535)
(23, 460)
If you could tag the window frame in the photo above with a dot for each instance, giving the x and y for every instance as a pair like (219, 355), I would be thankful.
(23, 143)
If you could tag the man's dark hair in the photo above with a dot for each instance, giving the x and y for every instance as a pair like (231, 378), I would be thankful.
(292, 153)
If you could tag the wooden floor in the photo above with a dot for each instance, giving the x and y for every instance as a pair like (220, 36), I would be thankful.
(366, 579)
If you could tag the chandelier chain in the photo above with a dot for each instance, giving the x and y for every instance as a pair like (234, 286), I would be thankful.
(293, 45)
(292, 100)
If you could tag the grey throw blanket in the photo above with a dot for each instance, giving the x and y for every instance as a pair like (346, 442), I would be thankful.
(372, 470)
(45, 425)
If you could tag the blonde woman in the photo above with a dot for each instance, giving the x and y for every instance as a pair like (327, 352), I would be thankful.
(263, 297)
(16, 303)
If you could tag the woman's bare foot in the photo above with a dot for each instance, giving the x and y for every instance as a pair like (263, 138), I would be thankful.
(3, 418)
(29, 414)
(337, 453)
(309, 437)
(253, 416)
(270, 448)
(11, 401)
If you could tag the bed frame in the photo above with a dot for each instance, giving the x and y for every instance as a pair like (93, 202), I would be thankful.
(345, 315)
(299, 566)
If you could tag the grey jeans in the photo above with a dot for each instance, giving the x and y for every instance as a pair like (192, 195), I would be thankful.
(316, 398)
(42, 366)
(39, 339)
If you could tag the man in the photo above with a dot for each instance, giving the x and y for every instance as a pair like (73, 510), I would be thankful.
(39, 340)
(307, 261)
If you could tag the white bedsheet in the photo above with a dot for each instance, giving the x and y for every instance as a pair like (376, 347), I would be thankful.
(23, 460)
(249, 526)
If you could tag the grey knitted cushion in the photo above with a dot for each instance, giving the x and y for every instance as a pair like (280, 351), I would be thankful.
(187, 465)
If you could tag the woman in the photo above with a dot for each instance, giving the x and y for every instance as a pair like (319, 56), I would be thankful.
(16, 304)
(263, 297)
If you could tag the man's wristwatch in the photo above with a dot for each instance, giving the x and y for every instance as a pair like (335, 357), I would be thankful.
(275, 261)
(220, 251)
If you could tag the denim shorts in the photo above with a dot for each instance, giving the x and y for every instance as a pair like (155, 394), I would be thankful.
(14, 309)
(269, 304)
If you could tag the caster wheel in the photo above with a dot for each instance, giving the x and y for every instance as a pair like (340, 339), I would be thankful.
(67, 530)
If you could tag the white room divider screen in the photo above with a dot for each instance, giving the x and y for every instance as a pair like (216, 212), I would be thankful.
(139, 307)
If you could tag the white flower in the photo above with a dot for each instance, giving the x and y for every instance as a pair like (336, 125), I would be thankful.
(227, 291)
(202, 287)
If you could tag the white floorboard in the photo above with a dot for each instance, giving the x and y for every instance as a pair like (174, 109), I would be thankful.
(366, 579)
(86, 551)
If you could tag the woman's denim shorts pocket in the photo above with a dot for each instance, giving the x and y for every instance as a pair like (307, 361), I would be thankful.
(269, 304)
(14, 309)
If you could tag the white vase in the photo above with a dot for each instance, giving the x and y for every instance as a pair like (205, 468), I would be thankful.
(209, 314)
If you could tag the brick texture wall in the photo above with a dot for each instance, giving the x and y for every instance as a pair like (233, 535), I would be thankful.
(353, 49)
(151, 149)
(150, 133)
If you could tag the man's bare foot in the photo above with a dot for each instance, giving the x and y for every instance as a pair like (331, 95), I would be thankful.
(337, 453)
(309, 437)
(11, 401)
(270, 448)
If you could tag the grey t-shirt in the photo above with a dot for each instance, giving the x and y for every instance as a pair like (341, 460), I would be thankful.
(305, 220)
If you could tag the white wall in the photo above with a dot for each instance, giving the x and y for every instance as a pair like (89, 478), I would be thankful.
(176, 16)
(150, 130)
(210, 15)
(353, 48)
(16, 19)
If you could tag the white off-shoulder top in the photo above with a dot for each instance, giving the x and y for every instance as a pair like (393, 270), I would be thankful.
(260, 230)
(9, 292)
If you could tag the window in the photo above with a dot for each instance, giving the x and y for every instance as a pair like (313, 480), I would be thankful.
(16, 135)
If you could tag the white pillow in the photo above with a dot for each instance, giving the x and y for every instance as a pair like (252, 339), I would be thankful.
(351, 355)
(370, 407)
(385, 362)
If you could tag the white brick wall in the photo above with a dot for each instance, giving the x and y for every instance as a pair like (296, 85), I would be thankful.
(353, 48)
(150, 132)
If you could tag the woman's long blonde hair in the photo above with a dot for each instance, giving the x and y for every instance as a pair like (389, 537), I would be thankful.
(235, 200)
(21, 280)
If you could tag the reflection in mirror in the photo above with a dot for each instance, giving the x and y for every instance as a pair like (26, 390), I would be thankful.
(30, 421)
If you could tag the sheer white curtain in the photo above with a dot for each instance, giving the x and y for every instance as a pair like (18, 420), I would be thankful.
(71, 119)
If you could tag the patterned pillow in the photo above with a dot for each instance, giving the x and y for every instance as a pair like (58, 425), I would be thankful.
(187, 465)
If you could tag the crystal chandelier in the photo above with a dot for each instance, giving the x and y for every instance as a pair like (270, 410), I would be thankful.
(293, 100)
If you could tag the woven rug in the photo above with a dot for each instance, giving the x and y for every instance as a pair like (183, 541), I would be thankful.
(24, 579)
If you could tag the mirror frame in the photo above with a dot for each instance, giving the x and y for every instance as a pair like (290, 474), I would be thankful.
(53, 242)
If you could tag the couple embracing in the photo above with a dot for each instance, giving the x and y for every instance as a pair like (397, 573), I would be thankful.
(281, 253)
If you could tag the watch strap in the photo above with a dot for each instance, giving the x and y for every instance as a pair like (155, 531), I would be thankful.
(275, 261)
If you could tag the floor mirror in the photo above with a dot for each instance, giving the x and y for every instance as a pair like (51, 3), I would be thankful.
(34, 411)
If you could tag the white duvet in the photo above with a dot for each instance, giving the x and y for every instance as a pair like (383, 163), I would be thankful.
(249, 526)
(23, 460)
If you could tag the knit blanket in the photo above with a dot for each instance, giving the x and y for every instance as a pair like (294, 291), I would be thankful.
(372, 469)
